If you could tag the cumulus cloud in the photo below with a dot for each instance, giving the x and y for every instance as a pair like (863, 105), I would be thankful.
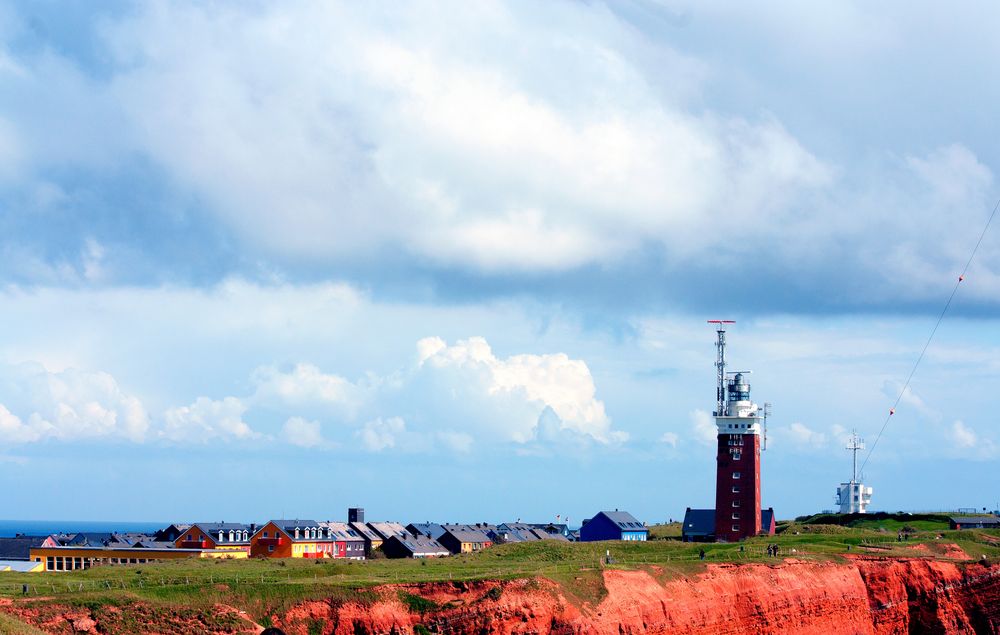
(379, 434)
(473, 161)
(670, 438)
(303, 433)
(802, 435)
(305, 385)
(70, 404)
(505, 398)
(962, 435)
(703, 427)
(207, 419)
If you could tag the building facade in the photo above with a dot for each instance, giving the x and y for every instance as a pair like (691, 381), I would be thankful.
(616, 525)
(295, 538)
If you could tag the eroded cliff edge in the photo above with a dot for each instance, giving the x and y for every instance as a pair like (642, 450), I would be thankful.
(860, 595)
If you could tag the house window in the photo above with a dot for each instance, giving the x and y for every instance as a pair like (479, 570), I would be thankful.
(270, 548)
(736, 489)
(736, 527)
(736, 474)
(736, 455)
(736, 503)
(736, 515)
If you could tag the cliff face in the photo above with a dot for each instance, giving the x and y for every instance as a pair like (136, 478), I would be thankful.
(862, 596)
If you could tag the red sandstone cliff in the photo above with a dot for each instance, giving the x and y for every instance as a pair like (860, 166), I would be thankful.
(865, 595)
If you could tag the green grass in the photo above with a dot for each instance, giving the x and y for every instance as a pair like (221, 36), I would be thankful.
(264, 588)
(11, 626)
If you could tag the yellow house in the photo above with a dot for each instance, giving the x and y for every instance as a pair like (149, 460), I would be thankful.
(72, 558)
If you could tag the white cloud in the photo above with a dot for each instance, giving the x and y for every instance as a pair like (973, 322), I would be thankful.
(305, 385)
(962, 435)
(910, 399)
(802, 435)
(207, 419)
(839, 433)
(13, 430)
(670, 438)
(70, 404)
(459, 442)
(703, 427)
(303, 433)
(470, 160)
(504, 398)
(379, 434)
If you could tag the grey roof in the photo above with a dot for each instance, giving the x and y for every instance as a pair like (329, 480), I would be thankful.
(467, 533)
(545, 535)
(552, 528)
(90, 538)
(19, 547)
(432, 530)
(421, 545)
(625, 521)
(516, 526)
(387, 529)
(698, 522)
(365, 531)
(975, 520)
(213, 529)
(341, 531)
(289, 524)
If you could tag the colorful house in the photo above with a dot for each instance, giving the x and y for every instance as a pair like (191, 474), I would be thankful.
(348, 542)
(614, 525)
(224, 536)
(373, 542)
(407, 545)
(465, 538)
(974, 522)
(294, 538)
(69, 558)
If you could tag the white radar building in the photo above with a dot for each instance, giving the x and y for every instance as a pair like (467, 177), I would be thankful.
(854, 497)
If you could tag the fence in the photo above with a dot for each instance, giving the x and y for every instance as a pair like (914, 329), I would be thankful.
(52, 585)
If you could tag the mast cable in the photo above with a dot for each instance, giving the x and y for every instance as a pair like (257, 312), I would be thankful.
(920, 357)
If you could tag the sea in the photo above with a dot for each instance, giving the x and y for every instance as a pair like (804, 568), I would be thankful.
(10, 528)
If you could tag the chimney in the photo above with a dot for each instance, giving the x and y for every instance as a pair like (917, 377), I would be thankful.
(356, 515)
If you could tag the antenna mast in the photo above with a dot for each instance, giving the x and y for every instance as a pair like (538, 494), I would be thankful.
(856, 443)
(720, 365)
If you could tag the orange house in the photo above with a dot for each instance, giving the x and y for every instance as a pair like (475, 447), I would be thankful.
(293, 539)
(225, 536)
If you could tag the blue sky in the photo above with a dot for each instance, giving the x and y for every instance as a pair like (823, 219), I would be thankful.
(454, 261)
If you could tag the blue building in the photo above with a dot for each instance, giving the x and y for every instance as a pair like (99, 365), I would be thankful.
(614, 525)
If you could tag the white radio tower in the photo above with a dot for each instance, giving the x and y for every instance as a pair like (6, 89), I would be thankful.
(854, 497)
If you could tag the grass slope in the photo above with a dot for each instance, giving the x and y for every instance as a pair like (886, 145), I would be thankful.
(264, 587)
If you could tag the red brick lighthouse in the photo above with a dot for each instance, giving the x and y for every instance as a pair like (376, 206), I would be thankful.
(741, 430)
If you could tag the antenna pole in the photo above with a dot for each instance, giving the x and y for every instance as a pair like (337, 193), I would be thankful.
(855, 445)
(720, 365)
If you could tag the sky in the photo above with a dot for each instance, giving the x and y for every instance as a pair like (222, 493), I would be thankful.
(453, 260)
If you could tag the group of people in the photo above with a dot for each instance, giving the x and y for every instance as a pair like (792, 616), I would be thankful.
(772, 550)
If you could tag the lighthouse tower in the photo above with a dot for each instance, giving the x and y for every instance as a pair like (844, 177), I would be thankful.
(741, 430)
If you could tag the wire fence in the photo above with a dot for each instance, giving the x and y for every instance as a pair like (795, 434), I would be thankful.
(146, 582)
